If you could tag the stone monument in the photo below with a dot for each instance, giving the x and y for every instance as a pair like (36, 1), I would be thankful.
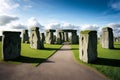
(88, 46)
(74, 37)
(25, 38)
(50, 36)
(42, 39)
(0, 38)
(35, 38)
(107, 38)
(66, 36)
(11, 45)
(59, 38)
(62, 36)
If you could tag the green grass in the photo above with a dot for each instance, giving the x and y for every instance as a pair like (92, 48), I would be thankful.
(108, 61)
(33, 56)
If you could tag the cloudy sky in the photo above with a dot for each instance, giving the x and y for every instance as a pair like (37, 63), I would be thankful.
(60, 14)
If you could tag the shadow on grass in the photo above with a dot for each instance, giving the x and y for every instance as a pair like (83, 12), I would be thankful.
(115, 49)
(38, 61)
(25, 59)
(107, 62)
(50, 49)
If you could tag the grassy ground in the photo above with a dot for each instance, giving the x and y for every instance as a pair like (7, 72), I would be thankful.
(108, 61)
(33, 56)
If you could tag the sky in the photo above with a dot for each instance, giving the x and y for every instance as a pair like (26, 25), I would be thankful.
(17, 15)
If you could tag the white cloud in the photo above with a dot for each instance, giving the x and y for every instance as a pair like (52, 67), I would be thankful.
(5, 19)
(10, 6)
(115, 27)
(69, 26)
(10, 23)
(18, 26)
(53, 25)
(7, 5)
(32, 22)
(58, 25)
(14, 26)
(90, 27)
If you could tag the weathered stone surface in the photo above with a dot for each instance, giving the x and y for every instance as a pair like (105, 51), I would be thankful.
(42, 36)
(11, 45)
(42, 39)
(74, 38)
(88, 46)
(107, 38)
(54, 38)
(50, 36)
(0, 38)
(59, 38)
(25, 37)
(63, 36)
(66, 36)
(35, 38)
(117, 39)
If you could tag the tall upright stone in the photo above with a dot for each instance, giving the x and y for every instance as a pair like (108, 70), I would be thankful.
(54, 38)
(66, 36)
(107, 38)
(117, 39)
(74, 37)
(42, 36)
(0, 38)
(11, 45)
(88, 46)
(50, 36)
(42, 39)
(59, 38)
(25, 37)
(63, 36)
(35, 38)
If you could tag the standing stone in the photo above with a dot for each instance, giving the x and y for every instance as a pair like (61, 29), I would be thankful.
(66, 36)
(50, 36)
(0, 38)
(117, 39)
(54, 38)
(74, 37)
(59, 38)
(35, 38)
(63, 36)
(42, 36)
(42, 39)
(107, 38)
(25, 38)
(11, 45)
(88, 46)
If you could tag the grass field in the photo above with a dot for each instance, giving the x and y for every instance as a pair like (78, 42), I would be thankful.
(34, 56)
(108, 61)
